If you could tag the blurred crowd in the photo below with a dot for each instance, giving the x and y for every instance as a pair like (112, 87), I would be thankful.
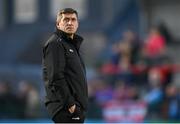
(19, 101)
(134, 85)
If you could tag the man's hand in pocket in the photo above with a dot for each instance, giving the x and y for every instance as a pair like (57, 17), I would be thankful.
(72, 109)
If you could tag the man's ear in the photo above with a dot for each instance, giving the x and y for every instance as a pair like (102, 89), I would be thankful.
(57, 25)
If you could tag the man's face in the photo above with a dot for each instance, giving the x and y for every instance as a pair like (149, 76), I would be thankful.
(68, 23)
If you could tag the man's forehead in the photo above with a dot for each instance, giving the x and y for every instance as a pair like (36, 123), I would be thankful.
(69, 15)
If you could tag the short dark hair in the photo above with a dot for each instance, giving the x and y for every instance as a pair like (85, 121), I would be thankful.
(65, 11)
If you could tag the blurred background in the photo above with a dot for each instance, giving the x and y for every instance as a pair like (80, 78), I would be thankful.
(131, 50)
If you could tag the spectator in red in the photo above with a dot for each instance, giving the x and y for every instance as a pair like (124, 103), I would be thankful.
(154, 44)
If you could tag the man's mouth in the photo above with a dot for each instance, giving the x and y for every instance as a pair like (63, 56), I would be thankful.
(69, 28)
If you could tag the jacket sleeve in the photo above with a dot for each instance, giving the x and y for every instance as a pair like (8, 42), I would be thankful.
(55, 58)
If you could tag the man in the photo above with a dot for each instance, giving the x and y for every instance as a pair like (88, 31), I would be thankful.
(64, 71)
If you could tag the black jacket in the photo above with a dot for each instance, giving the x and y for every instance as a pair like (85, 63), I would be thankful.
(64, 73)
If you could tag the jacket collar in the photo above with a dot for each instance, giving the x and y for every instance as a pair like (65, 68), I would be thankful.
(77, 40)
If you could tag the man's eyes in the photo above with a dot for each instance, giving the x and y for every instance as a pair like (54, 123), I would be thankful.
(68, 19)
(73, 19)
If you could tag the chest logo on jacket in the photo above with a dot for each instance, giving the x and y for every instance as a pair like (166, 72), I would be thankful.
(71, 50)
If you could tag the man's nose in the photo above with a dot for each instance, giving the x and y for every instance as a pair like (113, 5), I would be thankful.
(70, 22)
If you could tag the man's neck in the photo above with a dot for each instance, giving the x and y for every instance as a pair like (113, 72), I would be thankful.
(71, 36)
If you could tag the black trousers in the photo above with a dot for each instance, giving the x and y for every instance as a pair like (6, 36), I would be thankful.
(64, 116)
